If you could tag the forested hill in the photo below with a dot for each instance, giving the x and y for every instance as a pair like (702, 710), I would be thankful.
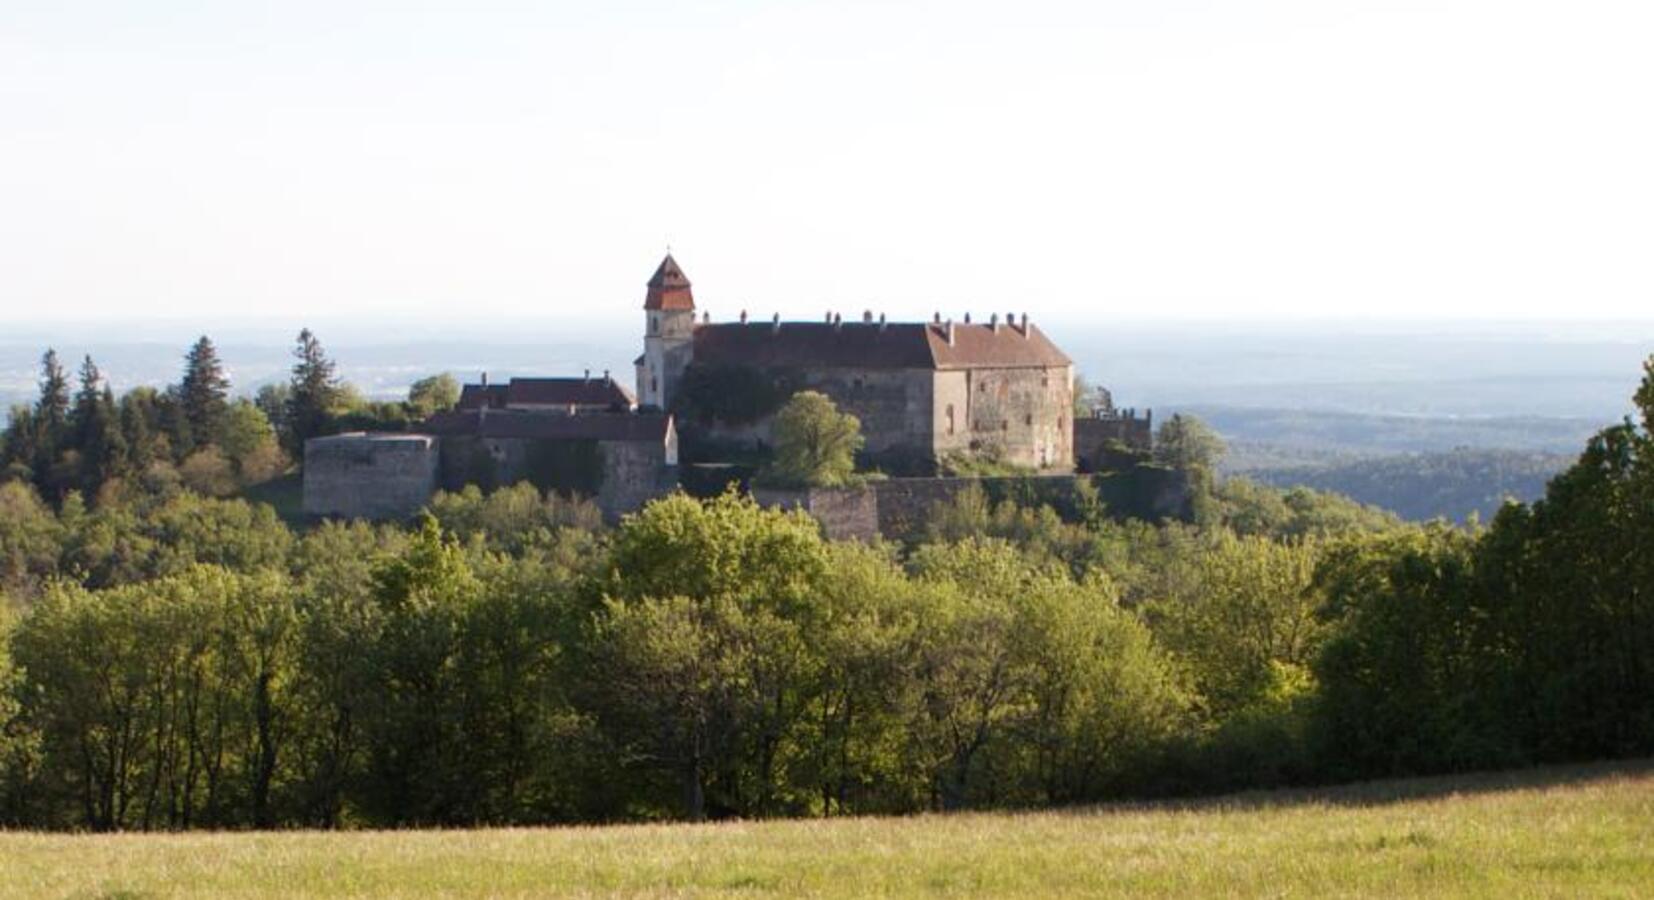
(1424, 486)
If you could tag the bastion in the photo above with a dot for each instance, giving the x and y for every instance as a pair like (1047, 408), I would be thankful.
(369, 476)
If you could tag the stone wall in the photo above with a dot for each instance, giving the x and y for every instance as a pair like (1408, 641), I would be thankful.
(912, 417)
(1022, 416)
(620, 476)
(634, 472)
(1095, 436)
(369, 476)
(900, 508)
(894, 407)
(844, 513)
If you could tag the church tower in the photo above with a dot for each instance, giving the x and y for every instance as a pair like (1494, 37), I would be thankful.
(669, 331)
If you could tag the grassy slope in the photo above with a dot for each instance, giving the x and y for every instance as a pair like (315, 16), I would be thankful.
(1552, 832)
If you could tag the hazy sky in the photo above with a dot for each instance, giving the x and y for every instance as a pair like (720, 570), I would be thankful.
(1167, 157)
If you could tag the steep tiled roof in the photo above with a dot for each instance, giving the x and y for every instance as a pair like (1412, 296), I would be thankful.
(874, 346)
(563, 391)
(669, 288)
(506, 423)
(476, 396)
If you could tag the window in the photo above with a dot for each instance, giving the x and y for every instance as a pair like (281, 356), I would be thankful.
(654, 324)
(1028, 419)
(654, 385)
(950, 418)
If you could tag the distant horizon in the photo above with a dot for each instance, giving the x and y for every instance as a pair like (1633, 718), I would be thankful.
(1270, 159)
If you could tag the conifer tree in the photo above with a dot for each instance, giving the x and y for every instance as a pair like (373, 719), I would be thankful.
(204, 392)
(52, 409)
(313, 393)
(51, 418)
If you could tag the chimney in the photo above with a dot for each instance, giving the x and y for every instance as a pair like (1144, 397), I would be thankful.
(967, 318)
(743, 317)
(775, 324)
(606, 376)
(993, 322)
(706, 318)
(1026, 331)
(588, 375)
(838, 322)
(950, 332)
(867, 317)
(829, 319)
(485, 379)
(936, 318)
(881, 321)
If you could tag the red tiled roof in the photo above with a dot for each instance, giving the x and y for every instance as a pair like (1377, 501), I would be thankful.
(873, 346)
(476, 396)
(506, 423)
(567, 391)
(669, 288)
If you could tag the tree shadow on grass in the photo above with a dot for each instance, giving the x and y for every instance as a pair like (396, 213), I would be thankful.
(1396, 790)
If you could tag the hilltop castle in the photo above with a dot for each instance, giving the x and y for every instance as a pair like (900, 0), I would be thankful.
(924, 392)
(928, 394)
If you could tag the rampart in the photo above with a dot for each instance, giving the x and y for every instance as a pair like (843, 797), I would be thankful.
(900, 508)
(370, 476)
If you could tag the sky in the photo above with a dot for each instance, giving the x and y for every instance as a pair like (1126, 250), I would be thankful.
(414, 162)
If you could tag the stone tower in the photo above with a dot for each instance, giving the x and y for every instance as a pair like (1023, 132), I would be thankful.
(669, 332)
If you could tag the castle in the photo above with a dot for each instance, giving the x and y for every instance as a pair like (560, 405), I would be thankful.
(928, 395)
(924, 392)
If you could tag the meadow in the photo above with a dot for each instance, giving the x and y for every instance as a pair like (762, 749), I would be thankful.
(1576, 831)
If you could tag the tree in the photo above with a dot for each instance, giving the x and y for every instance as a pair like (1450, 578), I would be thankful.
(1185, 442)
(96, 431)
(432, 395)
(314, 393)
(815, 444)
(701, 652)
(250, 443)
(203, 393)
(51, 422)
(52, 409)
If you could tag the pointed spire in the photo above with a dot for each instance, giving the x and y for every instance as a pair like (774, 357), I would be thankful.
(669, 288)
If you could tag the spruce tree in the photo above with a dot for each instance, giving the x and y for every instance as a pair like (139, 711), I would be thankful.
(52, 409)
(313, 393)
(51, 420)
(204, 393)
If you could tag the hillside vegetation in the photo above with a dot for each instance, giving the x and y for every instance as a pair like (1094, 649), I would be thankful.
(1552, 832)
(1424, 486)
(173, 662)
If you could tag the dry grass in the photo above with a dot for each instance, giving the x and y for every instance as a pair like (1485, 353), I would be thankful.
(1583, 831)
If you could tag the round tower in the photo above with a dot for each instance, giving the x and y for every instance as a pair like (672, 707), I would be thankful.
(668, 335)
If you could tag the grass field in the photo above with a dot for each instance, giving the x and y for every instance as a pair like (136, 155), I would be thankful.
(1567, 832)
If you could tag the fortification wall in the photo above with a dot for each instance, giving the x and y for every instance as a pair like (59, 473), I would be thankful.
(634, 472)
(900, 508)
(1093, 437)
(1022, 416)
(620, 476)
(844, 513)
(370, 476)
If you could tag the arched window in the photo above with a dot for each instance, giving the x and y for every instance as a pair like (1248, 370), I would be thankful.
(950, 418)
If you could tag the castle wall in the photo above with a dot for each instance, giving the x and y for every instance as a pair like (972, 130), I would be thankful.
(844, 513)
(1022, 415)
(1094, 435)
(619, 476)
(634, 472)
(370, 476)
(901, 508)
(893, 405)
